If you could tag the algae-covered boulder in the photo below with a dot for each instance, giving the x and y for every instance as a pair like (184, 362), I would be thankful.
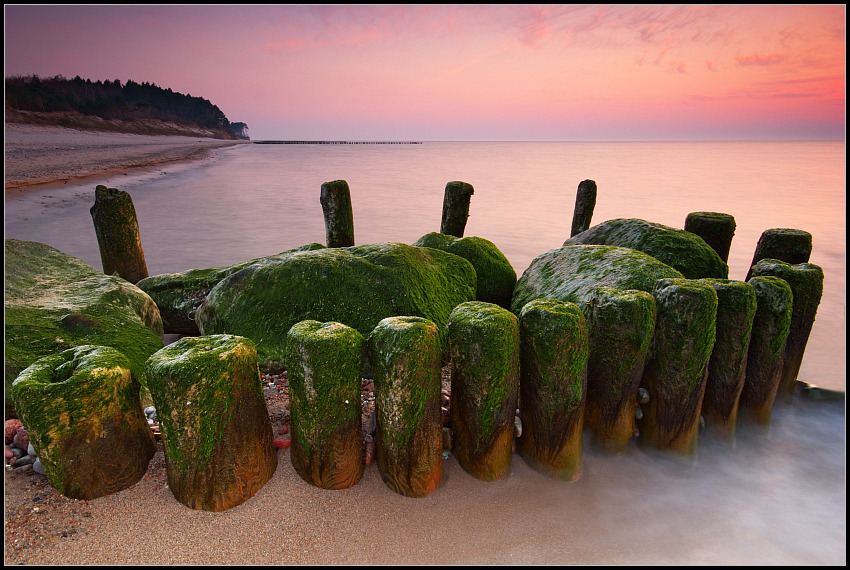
(357, 286)
(680, 249)
(570, 273)
(496, 276)
(55, 301)
(178, 294)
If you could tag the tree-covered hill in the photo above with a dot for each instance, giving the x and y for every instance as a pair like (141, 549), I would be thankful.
(129, 105)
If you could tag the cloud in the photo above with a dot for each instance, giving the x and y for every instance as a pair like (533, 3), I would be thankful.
(759, 60)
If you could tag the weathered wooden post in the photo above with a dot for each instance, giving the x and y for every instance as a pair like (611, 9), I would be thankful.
(324, 363)
(483, 341)
(620, 326)
(727, 368)
(785, 244)
(405, 356)
(771, 323)
(585, 203)
(216, 433)
(455, 208)
(806, 281)
(82, 413)
(339, 215)
(553, 377)
(716, 229)
(117, 232)
(676, 374)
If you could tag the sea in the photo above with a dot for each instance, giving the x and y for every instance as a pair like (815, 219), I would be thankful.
(771, 497)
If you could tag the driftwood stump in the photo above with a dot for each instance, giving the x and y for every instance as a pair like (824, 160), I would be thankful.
(339, 215)
(117, 231)
(216, 432)
(455, 208)
(585, 203)
(716, 229)
(785, 244)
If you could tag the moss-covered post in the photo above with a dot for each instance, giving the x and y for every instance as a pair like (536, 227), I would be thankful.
(405, 356)
(772, 321)
(455, 208)
(716, 229)
(727, 368)
(785, 244)
(553, 377)
(339, 215)
(117, 231)
(806, 281)
(585, 203)
(676, 374)
(82, 413)
(216, 433)
(324, 363)
(483, 341)
(620, 329)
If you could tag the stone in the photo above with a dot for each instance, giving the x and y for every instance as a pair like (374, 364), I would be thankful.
(8, 452)
(715, 228)
(405, 356)
(177, 295)
(585, 203)
(570, 273)
(495, 275)
(456, 208)
(324, 363)
(357, 286)
(117, 231)
(727, 368)
(684, 251)
(335, 198)
(10, 428)
(765, 355)
(83, 415)
(484, 352)
(21, 438)
(784, 244)
(620, 326)
(553, 378)
(38, 467)
(216, 432)
(55, 301)
(676, 373)
(281, 443)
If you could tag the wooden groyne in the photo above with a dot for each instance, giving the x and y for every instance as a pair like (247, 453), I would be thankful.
(337, 142)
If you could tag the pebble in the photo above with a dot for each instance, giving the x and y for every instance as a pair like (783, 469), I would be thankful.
(21, 439)
(281, 443)
(30, 449)
(8, 452)
(10, 429)
(37, 467)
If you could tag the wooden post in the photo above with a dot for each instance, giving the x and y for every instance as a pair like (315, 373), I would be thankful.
(455, 208)
(553, 378)
(774, 302)
(339, 216)
(785, 244)
(405, 356)
(324, 363)
(117, 232)
(716, 229)
(585, 202)
(483, 343)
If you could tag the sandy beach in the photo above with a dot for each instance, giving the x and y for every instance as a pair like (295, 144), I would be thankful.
(777, 496)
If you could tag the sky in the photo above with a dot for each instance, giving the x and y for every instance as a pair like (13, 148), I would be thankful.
(465, 72)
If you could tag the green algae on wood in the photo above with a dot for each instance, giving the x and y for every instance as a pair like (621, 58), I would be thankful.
(715, 228)
(496, 277)
(806, 281)
(585, 203)
(483, 341)
(553, 377)
(216, 433)
(83, 416)
(620, 329)
(117, 231)
(765, 355)
(405, 357)
(676, 374)
(736, 308)
(785, 244)
(324, 363)
(339, 216)
(456, 208)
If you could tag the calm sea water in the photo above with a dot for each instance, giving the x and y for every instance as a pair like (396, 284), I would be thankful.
(255, 200)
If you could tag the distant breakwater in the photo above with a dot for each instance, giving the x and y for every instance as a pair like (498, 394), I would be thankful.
(337, 142)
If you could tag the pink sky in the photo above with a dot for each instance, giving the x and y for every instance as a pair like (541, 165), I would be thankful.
(473, 72)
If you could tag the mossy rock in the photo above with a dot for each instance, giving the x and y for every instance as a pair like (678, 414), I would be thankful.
(496, 276)
(178, 294)
(83, 416)
(570, 273)
(553, 377)
(784, 244)
(715, 228)
(484, 356)
(357, 286)
(405, 357)
(216, 432)
(117, 231)
(684, 251)
(55, 301)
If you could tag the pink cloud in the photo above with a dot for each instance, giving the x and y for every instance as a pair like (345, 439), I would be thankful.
(760, 60)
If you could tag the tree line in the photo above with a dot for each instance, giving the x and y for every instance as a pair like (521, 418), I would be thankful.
(112, 100)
